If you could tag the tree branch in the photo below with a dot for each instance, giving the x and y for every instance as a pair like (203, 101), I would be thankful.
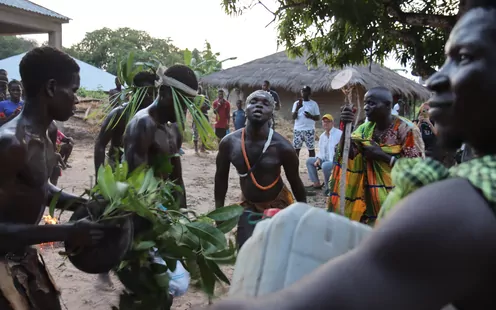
(420, 19)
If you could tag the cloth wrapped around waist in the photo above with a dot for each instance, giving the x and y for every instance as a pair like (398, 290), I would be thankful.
(284, 198)
(26, 284)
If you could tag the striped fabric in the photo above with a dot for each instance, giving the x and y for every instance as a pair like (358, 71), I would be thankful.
(368, 183)
(411, 174)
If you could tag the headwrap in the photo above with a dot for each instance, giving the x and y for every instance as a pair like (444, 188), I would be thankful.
(168, 81)
(261, 94)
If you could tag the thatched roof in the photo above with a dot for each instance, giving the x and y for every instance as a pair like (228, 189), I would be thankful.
(293, 74)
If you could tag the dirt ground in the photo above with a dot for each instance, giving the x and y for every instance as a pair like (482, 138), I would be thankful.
(82, 291)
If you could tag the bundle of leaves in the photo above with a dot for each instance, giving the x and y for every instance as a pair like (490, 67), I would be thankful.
(175, 234)
(126, 70)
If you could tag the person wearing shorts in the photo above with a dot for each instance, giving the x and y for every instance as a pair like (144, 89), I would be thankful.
(305, 113)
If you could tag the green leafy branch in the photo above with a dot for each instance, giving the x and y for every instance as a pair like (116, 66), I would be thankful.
(177, 234)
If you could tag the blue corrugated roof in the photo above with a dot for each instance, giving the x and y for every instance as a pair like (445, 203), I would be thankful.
(32, 7)
(92, 78)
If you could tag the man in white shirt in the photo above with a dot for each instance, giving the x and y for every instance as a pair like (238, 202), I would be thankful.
(324, 159)
(396, 109)
(305, 114)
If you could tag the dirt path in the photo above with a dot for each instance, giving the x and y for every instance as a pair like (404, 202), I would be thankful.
(80, 290)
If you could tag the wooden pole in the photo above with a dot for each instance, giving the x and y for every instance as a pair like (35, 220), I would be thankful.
(346, 151)
(344, 168)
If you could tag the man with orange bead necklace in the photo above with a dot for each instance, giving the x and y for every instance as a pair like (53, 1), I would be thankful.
(257, 153)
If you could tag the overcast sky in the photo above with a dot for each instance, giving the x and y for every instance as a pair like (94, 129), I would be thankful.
(187, 22)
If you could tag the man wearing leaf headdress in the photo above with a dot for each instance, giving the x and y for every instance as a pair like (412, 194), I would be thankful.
(112, 128)
(258, 152)
(153, 133)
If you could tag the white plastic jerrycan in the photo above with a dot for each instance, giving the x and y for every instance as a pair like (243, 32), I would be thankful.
(289, 246)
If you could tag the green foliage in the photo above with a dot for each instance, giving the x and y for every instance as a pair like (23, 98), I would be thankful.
(177, 234)
(98, 94)
(204, 62)
(12, 45)
(350, 32)
(104, 47)
(128, 68)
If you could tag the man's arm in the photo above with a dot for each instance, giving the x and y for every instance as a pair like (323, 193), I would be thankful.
(17, 236)
(316, 112)
(295, 110)
(216, 106)
(405, 264)
(177, 172)
(276, 99)
(139, 137)
(66, 201)
(177, 176)
(104, 137)
(291, 165)
(223, 163)
(228, 108)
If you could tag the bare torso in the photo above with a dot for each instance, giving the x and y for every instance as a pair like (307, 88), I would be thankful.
(266, 170)
(148, 142)
(23, 197)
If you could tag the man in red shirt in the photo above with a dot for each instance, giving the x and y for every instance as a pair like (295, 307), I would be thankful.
(222, 110)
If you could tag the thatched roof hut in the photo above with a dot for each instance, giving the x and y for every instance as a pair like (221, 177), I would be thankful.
(288, 76)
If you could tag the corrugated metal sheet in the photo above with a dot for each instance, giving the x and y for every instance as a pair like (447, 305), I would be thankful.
(92, 78)
(32, 7)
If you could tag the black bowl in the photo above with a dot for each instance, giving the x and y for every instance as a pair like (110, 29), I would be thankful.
(110, 251)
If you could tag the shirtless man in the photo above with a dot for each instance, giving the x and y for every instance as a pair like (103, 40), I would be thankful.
(261, 186)
(51, 79)
(113, 133)
(438, 246)
(152, 134)
(114, 93)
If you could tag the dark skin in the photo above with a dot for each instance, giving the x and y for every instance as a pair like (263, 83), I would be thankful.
(222, 101)
(3, 90)
(15, 92)
(377, 109)
(29, 156)
(402, 259)
(114, 92)
(239, 105)
(266, 87)
(152, 134)
(280, 153)
(115, 132)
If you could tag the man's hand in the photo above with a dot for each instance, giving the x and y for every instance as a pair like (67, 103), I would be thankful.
(374, 152)
(317, 163)
(347, 115)
(299, 105)
(309, 115)
(84, 232)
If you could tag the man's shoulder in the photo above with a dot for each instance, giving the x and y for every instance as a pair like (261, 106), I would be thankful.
(141, 120)
(283, 143)
(449, 197)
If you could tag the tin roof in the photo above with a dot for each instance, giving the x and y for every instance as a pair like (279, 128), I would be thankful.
(29, 6)
(92, 78)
